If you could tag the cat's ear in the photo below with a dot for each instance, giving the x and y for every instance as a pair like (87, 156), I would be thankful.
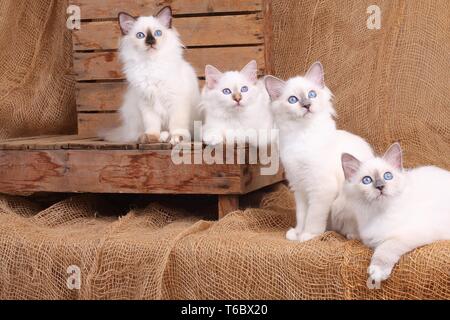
(126, 22)
(394, 156)
(212, 75)
(316, 75)
(350, 165)
(274, 86)
(250, 71)
(165, 16)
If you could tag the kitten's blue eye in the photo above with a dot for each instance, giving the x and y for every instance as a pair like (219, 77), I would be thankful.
(140, 35)
(158, 33)
(226, 91)
(388, 176)
(312, 94)
(244, 89)
(367, 180)
(293, 100)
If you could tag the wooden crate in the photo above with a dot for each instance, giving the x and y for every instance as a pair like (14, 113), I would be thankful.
(225, 33)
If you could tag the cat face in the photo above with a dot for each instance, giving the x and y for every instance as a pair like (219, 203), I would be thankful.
(377, 179)
(300, 98)
(233, 90)
(149, 34)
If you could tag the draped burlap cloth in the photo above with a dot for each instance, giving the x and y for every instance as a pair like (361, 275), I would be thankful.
(390, 85)
(36, 88)
(154, 252)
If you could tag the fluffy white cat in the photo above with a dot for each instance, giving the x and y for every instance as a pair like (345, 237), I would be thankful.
(163, 93)
(396, 210)
(311, 147)
(234, 104)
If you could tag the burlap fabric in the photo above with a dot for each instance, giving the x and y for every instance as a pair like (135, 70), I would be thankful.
(36, 88)
(390, 85)
(154, 252)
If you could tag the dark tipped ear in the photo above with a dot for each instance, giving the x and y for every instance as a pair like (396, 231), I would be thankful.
(126, 22)
(274, 86)
(316, 75)
(250, 71)
(165, 16)
(394, 156)
(350, 165)
(212, 75)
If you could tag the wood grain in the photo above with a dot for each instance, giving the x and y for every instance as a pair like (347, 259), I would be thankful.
(106, 65)
(102, 96)
(104, 9)
(227, 204)
(131, 171)
(93, 123)
(194, 31)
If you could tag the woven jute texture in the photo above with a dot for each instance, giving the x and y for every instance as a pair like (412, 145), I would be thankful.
(36, 88)
(153, 252)
(390, 84)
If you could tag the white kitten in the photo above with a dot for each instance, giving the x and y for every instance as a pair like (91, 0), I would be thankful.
(311, 147)
(163, 89)
(396, 210)
(234, 104)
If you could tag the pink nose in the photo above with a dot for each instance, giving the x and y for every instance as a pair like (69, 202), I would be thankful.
(237, 97)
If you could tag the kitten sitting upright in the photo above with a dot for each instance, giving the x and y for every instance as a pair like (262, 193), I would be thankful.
(311, 147)
(235, 103)
(163, 94)
(396, 210)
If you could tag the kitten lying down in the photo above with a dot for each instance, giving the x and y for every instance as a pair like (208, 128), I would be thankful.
(393, 210)
(162, 97)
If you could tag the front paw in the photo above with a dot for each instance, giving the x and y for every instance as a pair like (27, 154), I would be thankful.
(213, 139)
(306, 236)
(148, 138)
(292, 235)
(164, 137)
(378, 273)
(352, 236)
(179, 136)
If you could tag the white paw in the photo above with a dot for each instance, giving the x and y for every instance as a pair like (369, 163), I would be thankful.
(213, 139)
(378, 273)
(292, 235)
(179, 136)
(352, 236)
(164, 137)
(305, 236)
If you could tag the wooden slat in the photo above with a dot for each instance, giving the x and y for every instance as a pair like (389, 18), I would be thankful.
(130, 171)
(106, 65)
(102, 96)
(92, 123)
(98, 144)
(194, 31)
(104, 9)
(227, 204)
(41, 143)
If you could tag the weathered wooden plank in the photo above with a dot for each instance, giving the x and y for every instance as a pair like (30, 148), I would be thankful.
(227, 204)
(101, 145)
(194, 31)
(102, 96)
(93, 123)
(106, 65)
(104, 9)
(132, 171)
(252, 179)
